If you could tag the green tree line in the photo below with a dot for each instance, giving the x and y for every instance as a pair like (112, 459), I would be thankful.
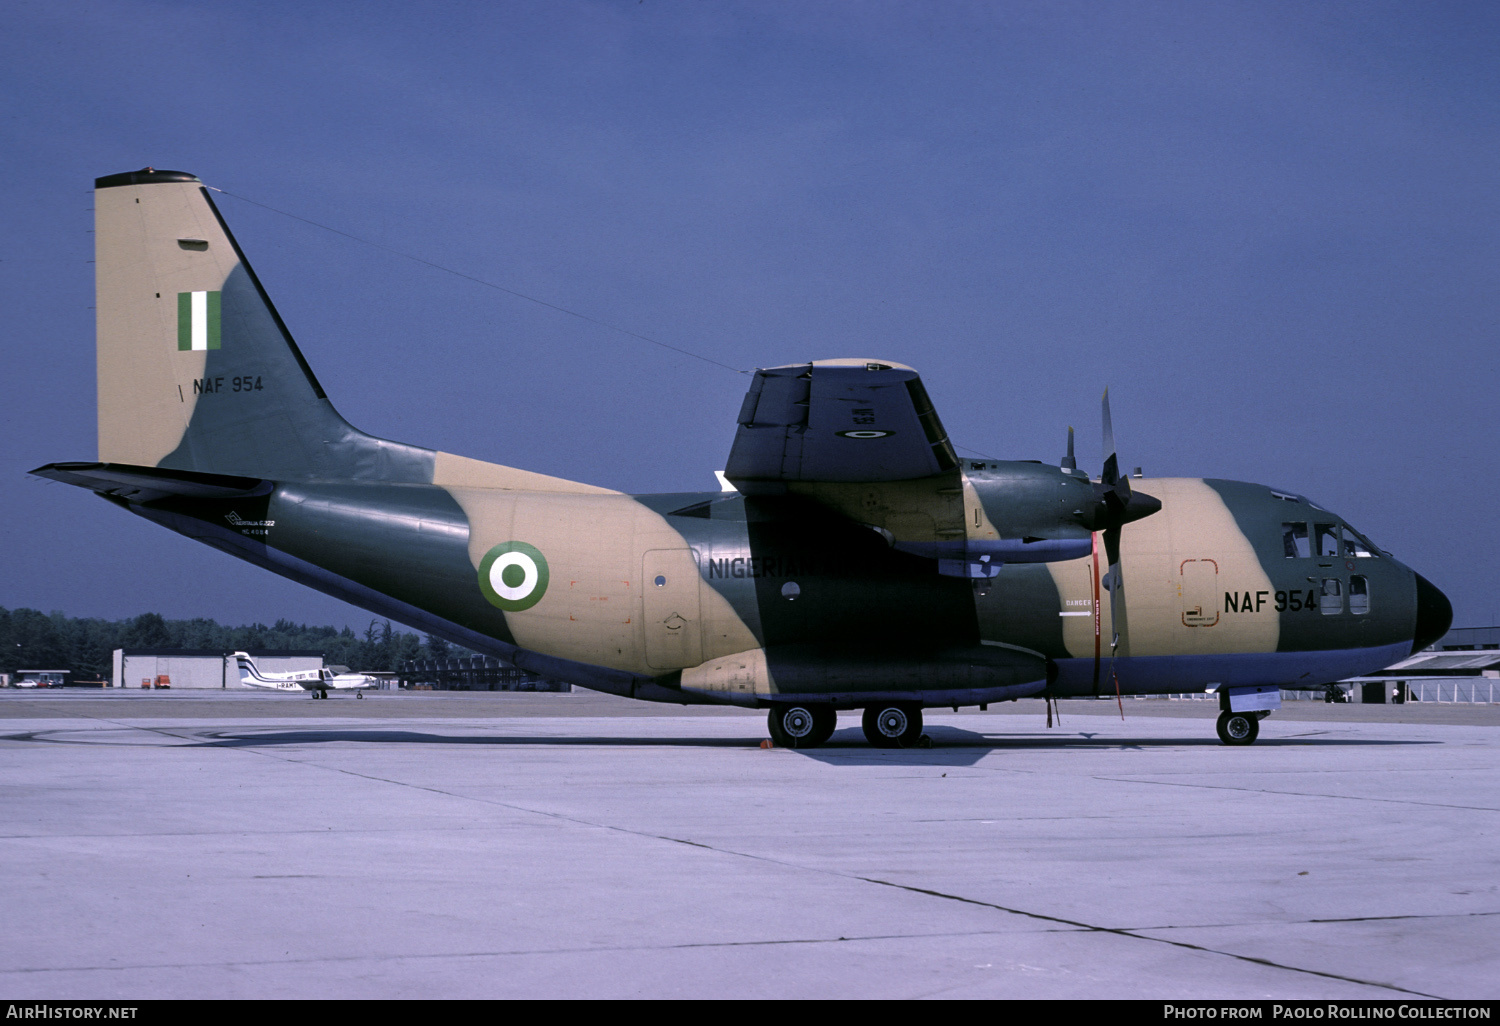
(32, 640)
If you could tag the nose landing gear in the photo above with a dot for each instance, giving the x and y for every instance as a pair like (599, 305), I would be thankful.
(1238, 728)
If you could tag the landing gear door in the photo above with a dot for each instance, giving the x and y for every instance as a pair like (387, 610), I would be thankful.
(669, 587)
(1265, 698)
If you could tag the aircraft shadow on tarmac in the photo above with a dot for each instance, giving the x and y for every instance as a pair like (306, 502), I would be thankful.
(956, 746)
(951, 745)
(234, 739)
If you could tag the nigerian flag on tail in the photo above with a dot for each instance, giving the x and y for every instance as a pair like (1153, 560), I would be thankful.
(197, 320)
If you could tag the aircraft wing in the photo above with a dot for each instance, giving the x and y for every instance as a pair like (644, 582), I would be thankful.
(348, 681)
(861, 439)
(836, 421)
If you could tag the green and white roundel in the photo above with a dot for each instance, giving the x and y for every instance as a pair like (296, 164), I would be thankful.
(513, 576)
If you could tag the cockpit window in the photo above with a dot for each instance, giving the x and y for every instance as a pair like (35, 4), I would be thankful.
(1328, 539)
(1294, 539)
(1356, 545)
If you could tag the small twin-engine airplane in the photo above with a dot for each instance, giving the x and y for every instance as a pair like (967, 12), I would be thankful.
(319, 682)
(857, 562)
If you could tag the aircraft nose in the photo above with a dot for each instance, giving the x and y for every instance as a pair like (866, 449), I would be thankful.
(1434, 614)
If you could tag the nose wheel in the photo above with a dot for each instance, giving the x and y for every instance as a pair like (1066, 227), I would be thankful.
(1238, 728)
(893, 726)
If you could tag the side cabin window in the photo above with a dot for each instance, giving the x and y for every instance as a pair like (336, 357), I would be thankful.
(1328, 539)
(1332, 602)
(1294, 540)
(1359, 594)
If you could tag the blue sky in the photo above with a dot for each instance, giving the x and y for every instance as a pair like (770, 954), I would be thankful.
(1270, 229)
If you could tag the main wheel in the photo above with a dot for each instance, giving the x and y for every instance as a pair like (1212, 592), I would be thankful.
(893, 726)
(826, 720)
(801, 726)
(1238, 728)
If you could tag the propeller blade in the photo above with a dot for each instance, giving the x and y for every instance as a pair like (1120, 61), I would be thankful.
(1117, 494)
(1112, 546)
(1115, 585)
(1109, 438)
(1117, 500)
(1115, 505)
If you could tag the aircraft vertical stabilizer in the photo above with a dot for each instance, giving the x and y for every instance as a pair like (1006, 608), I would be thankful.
(197, 371)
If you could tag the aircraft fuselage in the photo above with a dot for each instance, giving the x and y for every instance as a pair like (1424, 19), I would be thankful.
(630, 591)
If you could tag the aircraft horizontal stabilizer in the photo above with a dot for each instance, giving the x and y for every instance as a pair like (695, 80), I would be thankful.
(144, 484)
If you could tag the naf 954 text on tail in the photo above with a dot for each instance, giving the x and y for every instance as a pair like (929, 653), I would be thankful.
(857, 562)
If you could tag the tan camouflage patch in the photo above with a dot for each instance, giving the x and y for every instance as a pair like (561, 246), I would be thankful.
(977, 525)
(596, 608)
(142, 261)
(453, 471)
(1176, 565)
(742, 676)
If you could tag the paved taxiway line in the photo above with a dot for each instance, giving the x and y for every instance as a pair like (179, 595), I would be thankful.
(662, 855)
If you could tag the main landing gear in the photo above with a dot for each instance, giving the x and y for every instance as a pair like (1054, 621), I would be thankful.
(898, 725)
(893, 726)
(801, 726)
(1239, 728)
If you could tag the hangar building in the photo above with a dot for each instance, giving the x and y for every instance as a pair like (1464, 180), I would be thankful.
(200, 668)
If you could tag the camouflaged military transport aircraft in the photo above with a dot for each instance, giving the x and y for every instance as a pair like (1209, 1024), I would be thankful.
(858, 564)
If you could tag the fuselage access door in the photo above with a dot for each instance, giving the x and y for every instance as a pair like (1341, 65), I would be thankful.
(671, 621)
